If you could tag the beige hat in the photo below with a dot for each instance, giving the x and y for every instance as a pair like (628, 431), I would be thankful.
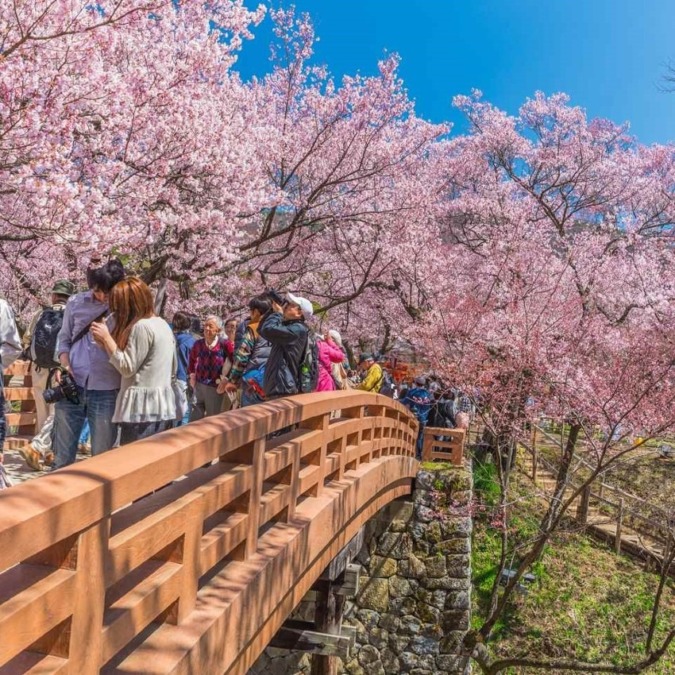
(337, 338)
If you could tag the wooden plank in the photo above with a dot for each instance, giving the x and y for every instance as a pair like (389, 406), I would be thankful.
(18, 442)
(18, 368)
(339, 563)
(275, 499)
(619, 525)
(19, 394)
(33, 600)
(23, 419)
(86, 643)
(190, 558)
(138, 602)
(222, 539)
(312, 642)
(35, 663)
(582, 507)
(255, 521)
(346, 584)
(328, 619)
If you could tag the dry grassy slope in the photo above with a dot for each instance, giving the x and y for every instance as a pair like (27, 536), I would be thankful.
(586, 602)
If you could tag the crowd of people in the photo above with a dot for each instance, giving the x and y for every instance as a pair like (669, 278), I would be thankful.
(107, 370)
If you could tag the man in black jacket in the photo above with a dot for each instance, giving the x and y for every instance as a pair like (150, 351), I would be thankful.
(285, 329)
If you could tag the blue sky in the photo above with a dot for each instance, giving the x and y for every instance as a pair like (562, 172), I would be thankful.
(609, 55)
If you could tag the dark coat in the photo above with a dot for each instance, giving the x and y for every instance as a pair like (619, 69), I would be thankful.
(441, 414)
(289, 342)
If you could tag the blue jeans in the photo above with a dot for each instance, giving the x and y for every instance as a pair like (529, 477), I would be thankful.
(95, 407)
(189, 395)
(84, 436)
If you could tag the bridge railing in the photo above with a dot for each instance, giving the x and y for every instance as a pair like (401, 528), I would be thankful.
(18, 391)
(444, 445)
(93, 557)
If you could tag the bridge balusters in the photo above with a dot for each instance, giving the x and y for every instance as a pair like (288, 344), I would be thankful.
(123, 548)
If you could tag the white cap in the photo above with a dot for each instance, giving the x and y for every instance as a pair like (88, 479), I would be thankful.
(304, 304)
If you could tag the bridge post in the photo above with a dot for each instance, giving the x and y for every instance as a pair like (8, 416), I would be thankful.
(328, 619)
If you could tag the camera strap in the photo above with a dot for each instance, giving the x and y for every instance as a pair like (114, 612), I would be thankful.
(85, 330)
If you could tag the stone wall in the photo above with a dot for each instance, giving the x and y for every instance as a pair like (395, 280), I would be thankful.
(414, 604)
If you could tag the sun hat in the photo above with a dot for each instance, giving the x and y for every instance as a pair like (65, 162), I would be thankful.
(64, 287)
(337, 338)
(304, 304)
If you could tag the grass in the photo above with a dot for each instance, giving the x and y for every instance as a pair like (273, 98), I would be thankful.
(586, 602)
(648, 477)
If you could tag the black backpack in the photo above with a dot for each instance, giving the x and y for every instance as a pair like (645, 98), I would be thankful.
(45, 336)
(309, 368)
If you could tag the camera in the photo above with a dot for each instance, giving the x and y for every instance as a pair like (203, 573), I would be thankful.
(67, 389)
(275, 296)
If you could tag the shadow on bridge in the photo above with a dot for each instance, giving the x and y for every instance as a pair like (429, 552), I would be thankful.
(154, 558)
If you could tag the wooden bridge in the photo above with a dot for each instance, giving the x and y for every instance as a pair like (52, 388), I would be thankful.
(186, 552)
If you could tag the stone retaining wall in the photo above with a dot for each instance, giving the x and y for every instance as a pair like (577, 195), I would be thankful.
(414, 605)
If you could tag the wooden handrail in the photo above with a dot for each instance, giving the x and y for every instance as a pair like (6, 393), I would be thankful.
(436, 449)
(147, 537)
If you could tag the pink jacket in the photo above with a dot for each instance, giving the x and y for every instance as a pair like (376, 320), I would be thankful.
(329, 353)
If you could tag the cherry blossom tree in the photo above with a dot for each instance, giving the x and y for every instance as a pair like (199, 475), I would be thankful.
(123, 131)
(356, 170)
(560, 302)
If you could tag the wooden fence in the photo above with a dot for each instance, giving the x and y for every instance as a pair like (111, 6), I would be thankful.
(620, 510)
(19, 391)
(444, 445)
(153, 558)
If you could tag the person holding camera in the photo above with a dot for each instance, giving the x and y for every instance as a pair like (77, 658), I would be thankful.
(86, 386)
(285, 328)
(142, 349)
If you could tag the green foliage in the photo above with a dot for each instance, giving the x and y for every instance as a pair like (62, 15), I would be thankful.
(486, 483)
